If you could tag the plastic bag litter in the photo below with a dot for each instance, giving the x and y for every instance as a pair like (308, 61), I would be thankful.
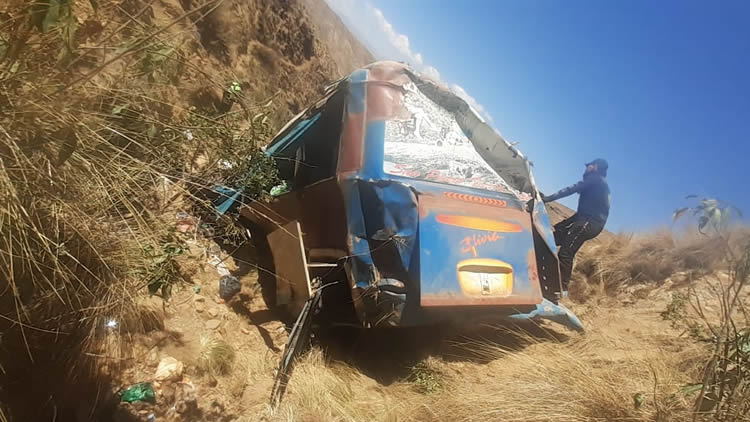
(143, 391)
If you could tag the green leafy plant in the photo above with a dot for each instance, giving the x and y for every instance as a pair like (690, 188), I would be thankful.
(158, 58)
(236, 162)
(725, 386)
(162, 268)
(712, 213)
(48, 15)
(679, 318)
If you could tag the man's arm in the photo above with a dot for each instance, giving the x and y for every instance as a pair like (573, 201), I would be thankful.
(570, 190)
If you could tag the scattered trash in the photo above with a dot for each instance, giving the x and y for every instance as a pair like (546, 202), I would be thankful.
(143, 391)
(218, 263)
(280, 189)
(229, 286)
(185, 223)
(213, 324)
(197, 288)
(169, 369)
(188, 135)
(111, 323)
(151, 417)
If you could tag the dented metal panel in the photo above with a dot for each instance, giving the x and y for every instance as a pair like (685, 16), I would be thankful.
(435, 205)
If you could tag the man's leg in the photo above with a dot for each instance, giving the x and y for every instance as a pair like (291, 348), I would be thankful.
(561, 229)
(571, 238)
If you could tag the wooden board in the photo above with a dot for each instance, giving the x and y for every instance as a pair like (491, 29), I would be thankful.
(292, 277)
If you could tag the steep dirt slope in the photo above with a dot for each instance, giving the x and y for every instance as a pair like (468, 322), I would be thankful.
(346, 50)
(110, 88)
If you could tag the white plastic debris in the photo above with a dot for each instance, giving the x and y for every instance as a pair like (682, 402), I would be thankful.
(169, 369)
(111, 323)
(217, 263)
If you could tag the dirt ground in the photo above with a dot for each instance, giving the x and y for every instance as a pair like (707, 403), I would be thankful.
(628, 349)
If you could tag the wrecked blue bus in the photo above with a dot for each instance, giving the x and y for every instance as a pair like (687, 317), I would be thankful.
(416, 206)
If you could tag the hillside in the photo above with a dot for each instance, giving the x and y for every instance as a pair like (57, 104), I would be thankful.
(346, 51)
(112, 115)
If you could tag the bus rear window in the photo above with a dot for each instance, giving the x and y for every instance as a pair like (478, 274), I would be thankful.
(431, 146)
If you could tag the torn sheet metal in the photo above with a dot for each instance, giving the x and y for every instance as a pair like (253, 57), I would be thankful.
(382, 221)
(416, 164)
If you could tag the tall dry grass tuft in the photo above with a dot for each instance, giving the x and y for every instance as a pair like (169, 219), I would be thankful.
(599, 376)
(337, 392)
(645, 259)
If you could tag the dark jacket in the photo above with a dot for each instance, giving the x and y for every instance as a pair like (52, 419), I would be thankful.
(594, 196)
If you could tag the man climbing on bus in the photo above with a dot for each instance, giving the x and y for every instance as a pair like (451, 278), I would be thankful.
(588, 221)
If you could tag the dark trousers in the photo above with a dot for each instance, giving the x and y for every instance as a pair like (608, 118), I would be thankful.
(569, 236)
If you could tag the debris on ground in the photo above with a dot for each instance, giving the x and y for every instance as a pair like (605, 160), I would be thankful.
(280, 189)
(218, 263)
(185, 223)
(143, 391)
(169, 369)
(228, 287)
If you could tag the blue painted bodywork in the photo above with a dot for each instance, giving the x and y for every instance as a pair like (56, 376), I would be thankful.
(403, 260)
(553, 312)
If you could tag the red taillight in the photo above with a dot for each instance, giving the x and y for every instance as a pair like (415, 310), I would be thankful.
(476, 199)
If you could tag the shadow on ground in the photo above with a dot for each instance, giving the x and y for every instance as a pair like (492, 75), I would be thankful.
(388, 355)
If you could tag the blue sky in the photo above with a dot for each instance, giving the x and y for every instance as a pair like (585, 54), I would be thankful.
(659, 89)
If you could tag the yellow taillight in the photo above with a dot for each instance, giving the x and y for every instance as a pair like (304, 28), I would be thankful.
(485, 277)
(478, 223)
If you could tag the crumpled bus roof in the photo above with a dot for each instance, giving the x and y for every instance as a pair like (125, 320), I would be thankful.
(396, 77)
(502, 156)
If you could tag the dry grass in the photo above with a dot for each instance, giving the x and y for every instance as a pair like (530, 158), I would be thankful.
(588, 378)
(597, 376)
(646, 259)
(94, 163)
(216, 356)
(336, 392)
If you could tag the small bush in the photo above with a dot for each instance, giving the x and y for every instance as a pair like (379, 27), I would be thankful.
(216, 356)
